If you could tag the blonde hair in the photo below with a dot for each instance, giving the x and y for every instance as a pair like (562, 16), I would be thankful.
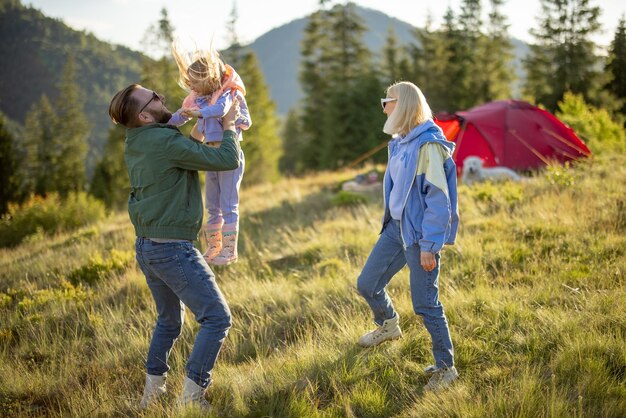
(411, 108)
(201, 66)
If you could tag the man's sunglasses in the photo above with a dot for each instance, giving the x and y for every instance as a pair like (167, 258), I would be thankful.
(155, 96)
(383, 102)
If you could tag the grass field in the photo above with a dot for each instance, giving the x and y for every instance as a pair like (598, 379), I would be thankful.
(534, 292)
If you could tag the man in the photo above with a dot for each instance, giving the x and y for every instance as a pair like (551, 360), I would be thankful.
(165, 207)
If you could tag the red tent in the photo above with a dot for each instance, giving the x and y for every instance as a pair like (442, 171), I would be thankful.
(510, 133)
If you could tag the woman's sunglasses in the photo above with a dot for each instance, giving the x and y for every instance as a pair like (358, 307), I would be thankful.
(383, 102)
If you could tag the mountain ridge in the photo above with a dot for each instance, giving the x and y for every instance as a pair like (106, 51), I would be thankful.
(283, 42)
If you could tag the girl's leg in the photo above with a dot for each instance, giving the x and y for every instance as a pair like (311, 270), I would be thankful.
(229, 183)
(212, 230)
(212, 197)
(425, 298)
(385, 260)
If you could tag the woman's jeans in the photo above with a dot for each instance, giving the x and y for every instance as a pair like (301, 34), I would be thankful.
(386, 259)
(177, 275)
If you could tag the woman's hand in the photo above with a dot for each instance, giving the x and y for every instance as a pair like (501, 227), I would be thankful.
(428, 261)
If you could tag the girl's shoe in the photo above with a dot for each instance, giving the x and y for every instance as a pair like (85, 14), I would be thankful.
(213, 236)
(228, 254)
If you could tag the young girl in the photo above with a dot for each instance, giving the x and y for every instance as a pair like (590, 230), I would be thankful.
(214, 86)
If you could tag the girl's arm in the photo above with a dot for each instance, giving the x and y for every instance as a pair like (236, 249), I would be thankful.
(219, 109)
(244, 121)
(178, 118)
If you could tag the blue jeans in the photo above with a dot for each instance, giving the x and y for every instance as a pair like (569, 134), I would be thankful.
(177, 275)
(385, 260)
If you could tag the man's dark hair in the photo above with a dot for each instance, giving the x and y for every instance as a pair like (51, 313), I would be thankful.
(123, 108)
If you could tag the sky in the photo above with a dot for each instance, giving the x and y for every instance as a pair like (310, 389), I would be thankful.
(125, 21)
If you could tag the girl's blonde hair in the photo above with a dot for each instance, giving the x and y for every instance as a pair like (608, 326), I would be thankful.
(204, 67)
(411, 108)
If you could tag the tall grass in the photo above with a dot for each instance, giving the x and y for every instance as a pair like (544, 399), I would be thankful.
(533, 290)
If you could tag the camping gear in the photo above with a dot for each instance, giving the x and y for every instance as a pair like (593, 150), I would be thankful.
(510, 133)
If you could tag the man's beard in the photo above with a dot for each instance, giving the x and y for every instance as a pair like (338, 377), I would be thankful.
(162, 116)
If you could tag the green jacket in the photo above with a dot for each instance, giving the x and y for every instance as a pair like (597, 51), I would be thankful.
(165, 199)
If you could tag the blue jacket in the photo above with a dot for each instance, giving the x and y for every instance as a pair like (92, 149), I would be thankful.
(430, 216)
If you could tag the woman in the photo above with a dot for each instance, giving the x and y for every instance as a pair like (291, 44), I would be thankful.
(420, 197)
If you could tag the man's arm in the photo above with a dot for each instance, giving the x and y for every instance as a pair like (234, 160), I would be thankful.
(191, 155)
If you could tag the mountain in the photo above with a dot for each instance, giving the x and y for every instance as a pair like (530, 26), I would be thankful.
(278, 52)
(38, 46)
(36, 49)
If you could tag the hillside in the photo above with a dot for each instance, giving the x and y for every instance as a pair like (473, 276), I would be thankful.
(38, 50)
(534, 290)
(278, 52)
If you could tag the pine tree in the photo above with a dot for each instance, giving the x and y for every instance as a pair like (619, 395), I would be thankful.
(563, 58)
(430, 56)
(261, 142)
(293, 146)
(393, 56)
(341, 89)
(496, 58)
(235, 53)
(161, 74)
(451, 98)
(616, 65)
(40, 152)
(110, 180)
(314, 80)
(353, 95)
(470, 66)
(8, 167)
(70, 136)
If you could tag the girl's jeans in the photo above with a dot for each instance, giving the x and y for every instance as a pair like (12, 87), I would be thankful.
(221, 190)
(385, 260)
(177, 275)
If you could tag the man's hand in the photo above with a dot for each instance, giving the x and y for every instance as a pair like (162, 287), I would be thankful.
(428, 261)
(228, 122)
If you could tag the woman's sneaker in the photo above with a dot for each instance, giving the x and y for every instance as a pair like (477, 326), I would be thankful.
(441, 378)
(389, 330)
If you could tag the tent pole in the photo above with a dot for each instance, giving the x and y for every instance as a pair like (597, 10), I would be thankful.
(368, 154)
(534, 151)
(563, 140)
